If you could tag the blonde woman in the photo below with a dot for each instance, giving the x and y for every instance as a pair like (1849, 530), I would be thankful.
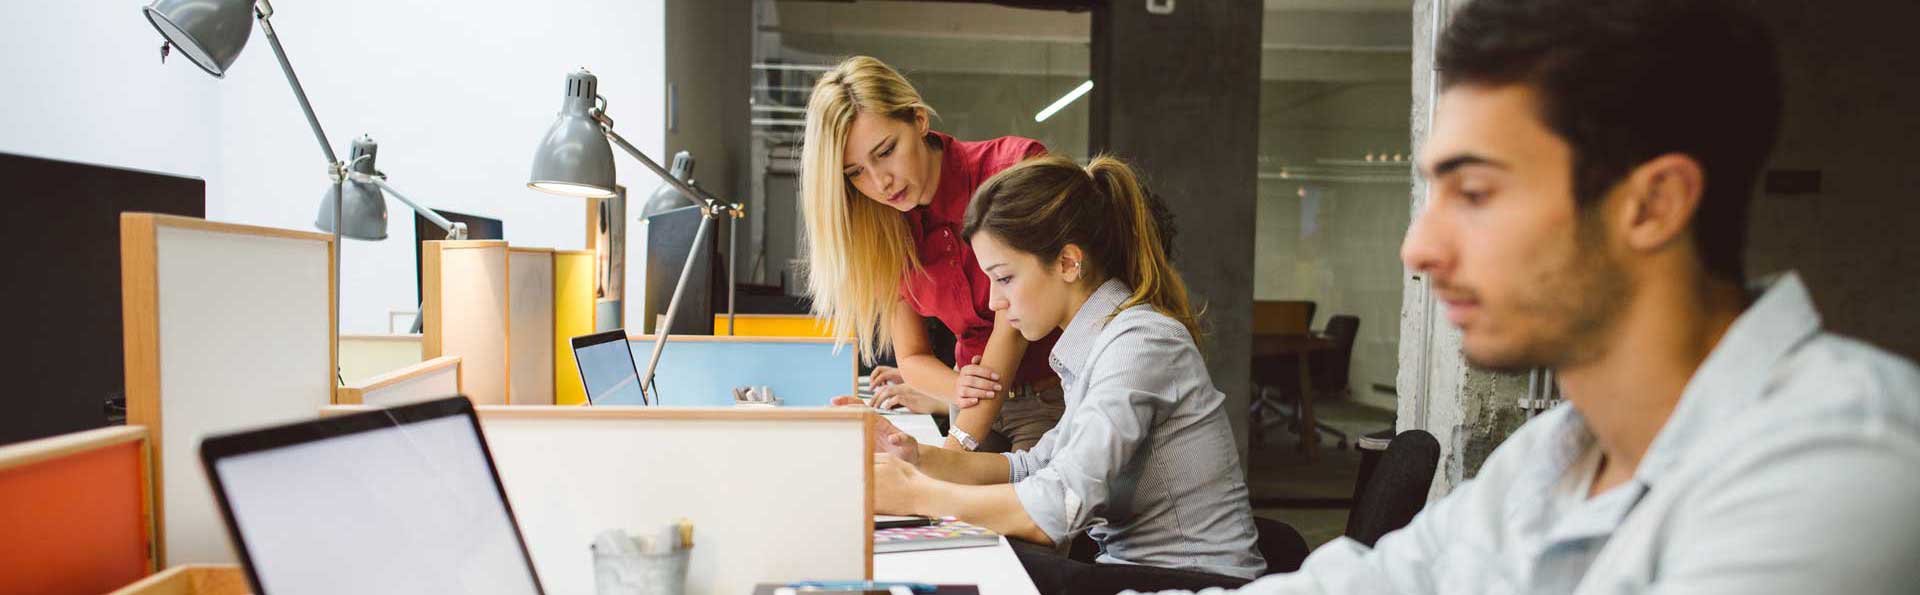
(884, 197)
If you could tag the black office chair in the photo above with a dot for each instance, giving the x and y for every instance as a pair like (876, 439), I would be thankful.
(1281, 545)
(1388, 495)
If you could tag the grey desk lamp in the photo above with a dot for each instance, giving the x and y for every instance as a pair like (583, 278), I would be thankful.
(575, 160)
(365, 209)
(211, 34)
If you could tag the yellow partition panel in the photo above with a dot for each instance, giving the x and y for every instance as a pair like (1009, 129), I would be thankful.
(572, 317)
(771, 325)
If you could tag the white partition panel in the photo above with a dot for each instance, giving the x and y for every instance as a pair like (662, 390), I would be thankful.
(466, 313)
(228, 327)
(774, 495)
(431, 379)
(531, 298)
(365, 356)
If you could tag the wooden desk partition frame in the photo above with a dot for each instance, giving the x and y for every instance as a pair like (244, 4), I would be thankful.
(467, 313)
(775, 495)
(573, 311)
(365, 356)
(531, 286)
(701, 370)
(431, 379)
(228, 327)
(77, 512)
(192, 579)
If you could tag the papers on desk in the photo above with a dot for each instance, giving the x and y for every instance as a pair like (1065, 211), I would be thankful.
(950, 533)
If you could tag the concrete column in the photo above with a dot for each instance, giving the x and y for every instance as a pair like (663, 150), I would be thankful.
(1470, 411)
(1178, 96)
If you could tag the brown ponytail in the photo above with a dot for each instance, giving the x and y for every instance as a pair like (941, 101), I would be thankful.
(1043, 204)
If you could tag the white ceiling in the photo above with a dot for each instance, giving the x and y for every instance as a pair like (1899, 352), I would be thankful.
(1347, 40)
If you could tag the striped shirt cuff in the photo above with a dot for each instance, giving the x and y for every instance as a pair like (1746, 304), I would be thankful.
(1019, 465)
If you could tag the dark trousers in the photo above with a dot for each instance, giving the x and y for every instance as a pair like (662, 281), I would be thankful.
(1054, 574)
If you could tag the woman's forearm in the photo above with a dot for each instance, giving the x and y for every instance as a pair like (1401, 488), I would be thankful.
(928, 374)
(962, 467)
(1004, 349)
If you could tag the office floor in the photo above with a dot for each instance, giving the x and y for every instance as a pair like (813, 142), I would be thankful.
(1277, 470)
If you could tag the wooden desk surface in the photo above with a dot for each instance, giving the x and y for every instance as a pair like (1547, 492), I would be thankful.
(994, 569)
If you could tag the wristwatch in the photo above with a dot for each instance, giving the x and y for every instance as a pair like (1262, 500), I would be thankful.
(966, 440)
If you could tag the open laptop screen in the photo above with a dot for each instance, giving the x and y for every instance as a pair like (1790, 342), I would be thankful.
(607, 369)
(403, 500)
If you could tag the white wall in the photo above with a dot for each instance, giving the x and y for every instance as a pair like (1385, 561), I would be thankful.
(458, 97)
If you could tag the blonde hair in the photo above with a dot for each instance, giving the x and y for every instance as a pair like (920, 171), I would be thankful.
(1047, 202)
(858, 250)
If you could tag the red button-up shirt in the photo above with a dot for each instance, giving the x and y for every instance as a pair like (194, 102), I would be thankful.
(952, 287)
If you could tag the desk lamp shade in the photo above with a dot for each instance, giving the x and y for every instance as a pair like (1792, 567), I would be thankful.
(666, 197)
(210, 32)
(365, 210)
(574, 159)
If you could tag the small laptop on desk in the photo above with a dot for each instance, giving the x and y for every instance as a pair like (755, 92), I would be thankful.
(391, 501)
(607, 369)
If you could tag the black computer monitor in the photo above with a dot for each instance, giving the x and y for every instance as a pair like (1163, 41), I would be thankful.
(669, 238)
(62, 240)
(478, 228)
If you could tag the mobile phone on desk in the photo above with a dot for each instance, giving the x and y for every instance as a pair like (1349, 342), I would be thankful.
(888, 521)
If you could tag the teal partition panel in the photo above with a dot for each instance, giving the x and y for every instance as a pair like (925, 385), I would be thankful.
(703, 373)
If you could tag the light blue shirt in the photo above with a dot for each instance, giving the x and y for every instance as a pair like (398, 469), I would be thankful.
(1143, 459)
(1790, 465)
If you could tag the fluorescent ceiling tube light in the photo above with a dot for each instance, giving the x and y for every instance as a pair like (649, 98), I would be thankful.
(1062, 102)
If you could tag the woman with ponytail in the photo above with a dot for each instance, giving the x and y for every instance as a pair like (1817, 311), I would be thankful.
(1143, 459)
(883, 197)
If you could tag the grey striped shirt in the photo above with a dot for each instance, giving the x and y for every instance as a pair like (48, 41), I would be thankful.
(1144, 458)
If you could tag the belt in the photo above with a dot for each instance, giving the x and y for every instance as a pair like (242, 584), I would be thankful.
(1034, 388)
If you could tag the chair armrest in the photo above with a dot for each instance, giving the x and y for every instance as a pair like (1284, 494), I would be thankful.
(1108, 579)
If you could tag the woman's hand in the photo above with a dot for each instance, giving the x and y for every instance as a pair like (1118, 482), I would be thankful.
(887, 438)
(902, 395)
(976, 383)
(885, 375)
(896, 485)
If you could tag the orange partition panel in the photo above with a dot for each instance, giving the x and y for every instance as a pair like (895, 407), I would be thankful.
(76, 523)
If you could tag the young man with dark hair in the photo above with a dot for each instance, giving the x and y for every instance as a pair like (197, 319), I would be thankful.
(1591, 164)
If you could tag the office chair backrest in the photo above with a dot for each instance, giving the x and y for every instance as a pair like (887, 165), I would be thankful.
(1343, 329)
(1280, 544)
(1397, 489)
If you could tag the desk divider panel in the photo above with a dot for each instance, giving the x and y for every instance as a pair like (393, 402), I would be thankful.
(771, 325)
(228, 327)
(431, 379)
(573, 304)
(75, 512)
(366, 356)
(532, 304)
(466, 313)
(775, 495)
(702, 370)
